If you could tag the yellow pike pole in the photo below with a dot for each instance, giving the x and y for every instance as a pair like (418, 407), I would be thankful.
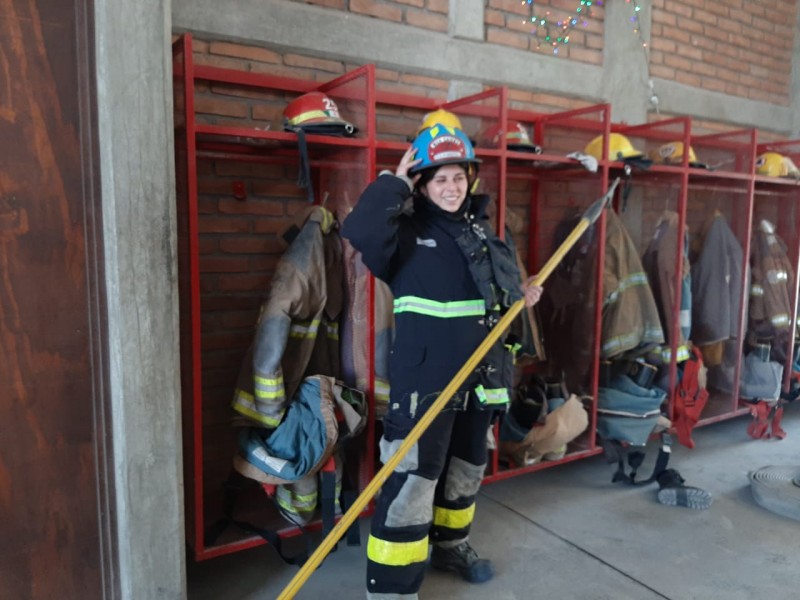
(589, 216)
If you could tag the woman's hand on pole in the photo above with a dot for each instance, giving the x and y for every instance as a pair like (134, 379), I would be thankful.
(533, 293)
(407, 162)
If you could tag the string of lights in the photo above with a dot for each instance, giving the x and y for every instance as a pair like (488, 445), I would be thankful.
(552, 34)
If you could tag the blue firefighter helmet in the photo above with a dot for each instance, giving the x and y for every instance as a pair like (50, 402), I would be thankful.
(442, 145)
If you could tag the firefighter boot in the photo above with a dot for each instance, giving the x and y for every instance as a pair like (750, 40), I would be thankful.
(672, 492)
(462, 559)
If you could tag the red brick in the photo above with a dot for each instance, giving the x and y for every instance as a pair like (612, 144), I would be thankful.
(248, 52)
(426, 20)
(376, 9)
(250, 245)
(222, 264)
(429, 82)
(506, 38)
(251, 206)
(494, 17)
(439, 6)
(218, 106)
(241, 282)
(223, 225)
(307, 62)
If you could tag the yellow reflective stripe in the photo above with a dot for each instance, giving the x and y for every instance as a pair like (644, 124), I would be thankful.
(291, 501)
(304, 330)
(443, 310)
(244, 404)
(453, 518)
(327, 219)
(397, 554)
(333, 330)
(310, 114)
(381, 389)
(269, 388)
(491, 396)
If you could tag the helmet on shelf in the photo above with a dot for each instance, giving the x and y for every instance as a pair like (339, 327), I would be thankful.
(773, 164)
(441, 117)
(442, 145)
(672, 154)
(315, 112)
(619, 148)
(516, 135)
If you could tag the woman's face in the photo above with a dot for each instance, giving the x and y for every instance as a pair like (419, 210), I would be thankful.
(448, 188)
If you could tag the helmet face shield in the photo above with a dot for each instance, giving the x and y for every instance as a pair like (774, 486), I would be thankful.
(442, 145)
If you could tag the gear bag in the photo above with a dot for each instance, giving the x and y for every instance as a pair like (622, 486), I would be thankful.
(297, 463)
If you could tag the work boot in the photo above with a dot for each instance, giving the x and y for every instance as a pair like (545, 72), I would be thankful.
(672, 492)
(462, 559)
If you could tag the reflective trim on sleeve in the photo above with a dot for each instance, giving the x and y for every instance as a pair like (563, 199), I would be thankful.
(244, 404)
(304, 329)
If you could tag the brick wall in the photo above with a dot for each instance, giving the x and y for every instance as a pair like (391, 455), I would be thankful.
(240, 241)
(509, 23)
(737, 47)
(425, 14)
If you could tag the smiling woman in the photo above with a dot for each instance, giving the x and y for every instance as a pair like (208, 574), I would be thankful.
(452, 278)
(447, 187)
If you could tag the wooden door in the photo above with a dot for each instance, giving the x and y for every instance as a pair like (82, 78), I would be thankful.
(55, 520)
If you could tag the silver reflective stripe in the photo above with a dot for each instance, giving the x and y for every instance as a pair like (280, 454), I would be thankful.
(307, 329)
(463, 479)
(632, 280)
(774, 276)
(413, 504)
(756, 290)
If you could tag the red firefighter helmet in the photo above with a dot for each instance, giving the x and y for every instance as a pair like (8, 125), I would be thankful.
(516, 135)
(315, 112)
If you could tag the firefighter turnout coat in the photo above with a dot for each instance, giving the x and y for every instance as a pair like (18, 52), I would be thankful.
(297, 331)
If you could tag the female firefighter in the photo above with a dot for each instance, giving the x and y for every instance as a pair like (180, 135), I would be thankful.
(422, 231)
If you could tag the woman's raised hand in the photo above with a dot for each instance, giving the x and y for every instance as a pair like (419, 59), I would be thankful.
(407, 162)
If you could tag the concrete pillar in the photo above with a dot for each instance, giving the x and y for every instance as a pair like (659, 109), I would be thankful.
(466, 19)
(795, 98)
(134, 114)
(625, 79)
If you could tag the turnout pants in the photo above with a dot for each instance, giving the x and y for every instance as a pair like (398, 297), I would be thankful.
(430, 495)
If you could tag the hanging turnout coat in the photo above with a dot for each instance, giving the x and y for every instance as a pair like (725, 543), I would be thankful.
(659, 263)
(297, 332)
(631, 325)
(772, 285)
(716, 281)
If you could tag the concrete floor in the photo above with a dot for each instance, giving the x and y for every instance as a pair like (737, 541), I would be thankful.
(567, 533)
